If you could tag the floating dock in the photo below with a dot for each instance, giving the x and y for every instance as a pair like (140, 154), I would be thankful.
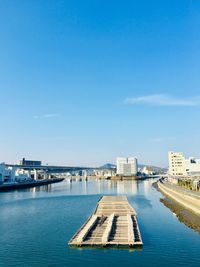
(113, 223)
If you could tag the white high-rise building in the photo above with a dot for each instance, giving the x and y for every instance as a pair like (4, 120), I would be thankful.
(176, 164)
(127, 166)
(179, 166)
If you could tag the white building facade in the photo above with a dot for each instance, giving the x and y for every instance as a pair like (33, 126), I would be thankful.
(147, 170)
(7, 174)
(179, 166)
(127, 166)
(192, 166)
(176, 164)
(12, 174)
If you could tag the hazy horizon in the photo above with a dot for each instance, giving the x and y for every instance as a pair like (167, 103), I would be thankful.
(83, 82)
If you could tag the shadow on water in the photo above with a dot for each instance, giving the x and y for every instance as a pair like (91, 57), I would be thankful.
(124, 248)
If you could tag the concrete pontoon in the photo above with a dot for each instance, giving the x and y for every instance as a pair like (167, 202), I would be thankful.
(113, 223)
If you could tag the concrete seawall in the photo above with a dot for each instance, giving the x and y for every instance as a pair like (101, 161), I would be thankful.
(188, 199)
(28, 184)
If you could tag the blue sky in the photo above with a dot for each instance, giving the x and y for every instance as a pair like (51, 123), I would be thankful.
(82, 82)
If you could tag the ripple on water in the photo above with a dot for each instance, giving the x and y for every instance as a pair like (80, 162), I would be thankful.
(36, 226)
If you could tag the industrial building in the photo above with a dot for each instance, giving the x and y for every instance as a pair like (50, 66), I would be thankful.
(27, 163)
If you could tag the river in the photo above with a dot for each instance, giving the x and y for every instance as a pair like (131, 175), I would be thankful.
(36, 225)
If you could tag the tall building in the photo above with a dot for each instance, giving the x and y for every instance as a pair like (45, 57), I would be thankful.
(127, 166)
(179, 166)
(176, 164)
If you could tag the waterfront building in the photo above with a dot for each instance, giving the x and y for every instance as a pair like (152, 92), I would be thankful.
(7, 174)
(12, 174)
(2, 172)
(127, 166)
(22, 175)
(25, 162)
(192, 166)
(104, 173)
(147, 170)
(179, 166)
(176, 164)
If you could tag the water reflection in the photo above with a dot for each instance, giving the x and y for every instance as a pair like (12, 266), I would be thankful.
(184, 215)
(147, 186)
(42, 228)
(124, 187)
(44, 188)
(85, 187)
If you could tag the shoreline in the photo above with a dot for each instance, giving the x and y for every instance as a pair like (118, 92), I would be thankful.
(189, 218)
(132, 178)
(186, 198)
(24, 185)
(184, 206)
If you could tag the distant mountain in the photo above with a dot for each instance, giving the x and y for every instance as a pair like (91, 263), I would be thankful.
(108, 166)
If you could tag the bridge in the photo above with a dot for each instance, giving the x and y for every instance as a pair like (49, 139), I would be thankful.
(35, 170)
(53, 168)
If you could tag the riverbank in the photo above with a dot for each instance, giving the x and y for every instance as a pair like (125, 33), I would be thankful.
(184, 197)
(131, 178)
(29, 184)
(189, 218)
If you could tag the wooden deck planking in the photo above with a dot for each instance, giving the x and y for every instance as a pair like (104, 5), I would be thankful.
(113, 223)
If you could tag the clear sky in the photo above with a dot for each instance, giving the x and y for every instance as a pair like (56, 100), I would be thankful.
(82, 82)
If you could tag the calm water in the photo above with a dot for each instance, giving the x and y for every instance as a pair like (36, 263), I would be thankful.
(36, 224)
